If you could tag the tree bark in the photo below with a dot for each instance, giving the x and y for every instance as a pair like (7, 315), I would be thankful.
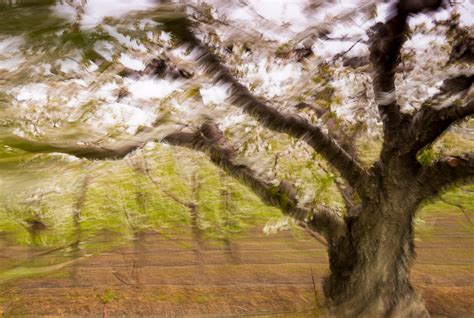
(370, 275)
(370, 266)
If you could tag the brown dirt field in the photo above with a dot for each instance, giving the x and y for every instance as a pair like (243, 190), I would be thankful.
(266, 276)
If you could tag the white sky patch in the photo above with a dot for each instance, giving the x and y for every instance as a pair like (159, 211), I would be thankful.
(428, 18)
(105, 49)
(151, 88)
(96, 10)
(345, 111)
(280, 12)
(150, 35)
(182, 107)
(69, 65)
(77, 81)
(10, 44)
(239, 13)
(11, 64)
(165, 36)
(231, 120)
(82, 97)
(182, 53)
(336, 9)
(145, 22)
(92, 67)
(43, 69)
(273, 79)
(328, 49)
(384, 11)
(125, 39)
(213, 95)
(276, 19)
(19, 132)
(122, 114)
(107, 92)
(432, 90)
(64, 11)
(47, 68)
(422, 42)
(466, 10)
(72, 102)
(131, 62)
(34, 93)
(354, 31)
(283, 11)
(68, 158)
(355, 26)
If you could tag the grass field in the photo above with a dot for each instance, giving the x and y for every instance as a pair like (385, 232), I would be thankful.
(277, 275)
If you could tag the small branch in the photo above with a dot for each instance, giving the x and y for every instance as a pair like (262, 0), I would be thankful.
(340, 55)
(347, 193)
(460, 207)
(146, 172)
(313, 234)
(190, 205)
(119, 277)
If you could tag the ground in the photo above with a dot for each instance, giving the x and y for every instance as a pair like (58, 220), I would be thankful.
(263, 276)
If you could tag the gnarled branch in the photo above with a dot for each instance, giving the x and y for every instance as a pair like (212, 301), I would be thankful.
(269, 117)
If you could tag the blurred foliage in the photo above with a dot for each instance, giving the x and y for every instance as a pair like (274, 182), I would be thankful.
(33, 17)
(121, 202)
(124, 199)
(43, 203)
(426, 156)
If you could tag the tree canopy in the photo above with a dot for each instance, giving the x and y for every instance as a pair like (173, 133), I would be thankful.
(323, 110)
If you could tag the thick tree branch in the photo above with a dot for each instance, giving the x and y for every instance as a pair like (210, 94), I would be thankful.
(90, 152)
(269, 117)
(387, 40)
(444, 173)
(432, 123)
(210, 140)
(113, 151)
(386, 43)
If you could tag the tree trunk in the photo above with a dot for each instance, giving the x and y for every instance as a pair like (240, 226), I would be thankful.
(370, 267)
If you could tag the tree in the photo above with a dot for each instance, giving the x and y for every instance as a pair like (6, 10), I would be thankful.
(370, 243)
